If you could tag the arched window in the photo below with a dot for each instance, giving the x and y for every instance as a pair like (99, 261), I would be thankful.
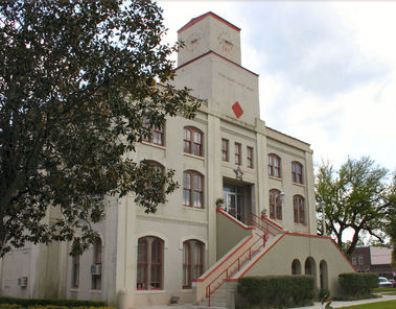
(310, 268)
(297, 172)
(75, 271)
(193, 261)
(193, 141)
(299, 209)
(156, 134)
(323, 275)
(296, 267)
(275, 204)
(274, 165)
(193, 193)
(154, 182)
(150, 263)
(96, 267)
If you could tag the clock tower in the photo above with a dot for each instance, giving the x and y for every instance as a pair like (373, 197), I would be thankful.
(210, 65)
(209, 32)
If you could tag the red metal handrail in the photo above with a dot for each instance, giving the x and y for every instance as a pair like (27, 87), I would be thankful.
(263, 223)
(210, 289)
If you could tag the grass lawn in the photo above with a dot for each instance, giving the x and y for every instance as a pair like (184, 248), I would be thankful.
(380, 290)
(391, 304)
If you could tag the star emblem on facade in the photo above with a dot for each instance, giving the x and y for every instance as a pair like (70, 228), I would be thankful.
(237, 109)
(238, 173)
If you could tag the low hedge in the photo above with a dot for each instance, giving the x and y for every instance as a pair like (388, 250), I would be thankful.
(357, 285)
(15, 306)
(28, 302)
(275, 291)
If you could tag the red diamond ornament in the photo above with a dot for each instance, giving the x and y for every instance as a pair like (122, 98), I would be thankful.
(237, 109)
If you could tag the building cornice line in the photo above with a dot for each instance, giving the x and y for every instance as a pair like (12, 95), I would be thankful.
(218, 55)
(208, 14)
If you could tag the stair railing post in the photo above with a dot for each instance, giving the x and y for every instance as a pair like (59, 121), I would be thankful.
(209, 297)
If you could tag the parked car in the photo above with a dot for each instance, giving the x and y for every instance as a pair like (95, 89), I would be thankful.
(393, 281)
(384, 282)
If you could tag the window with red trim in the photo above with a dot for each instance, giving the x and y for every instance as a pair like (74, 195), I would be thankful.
(249, 156)
(193, 193)
(299, 209)
(193, 141)
(274, 165)
(297, 172)
(238, 154)
(225, 150)
(275, 204)
(193, 265)
(150, 263)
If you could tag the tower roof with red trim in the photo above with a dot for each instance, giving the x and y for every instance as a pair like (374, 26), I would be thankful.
(203, 16)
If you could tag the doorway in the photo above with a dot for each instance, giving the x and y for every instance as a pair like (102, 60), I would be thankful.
(237, 199)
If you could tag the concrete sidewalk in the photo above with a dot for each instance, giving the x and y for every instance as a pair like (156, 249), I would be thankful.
(317, 305)
(340, 304)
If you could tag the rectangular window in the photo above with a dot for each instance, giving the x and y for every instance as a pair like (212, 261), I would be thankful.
(249, 156)
(238, 154)
(224, 150)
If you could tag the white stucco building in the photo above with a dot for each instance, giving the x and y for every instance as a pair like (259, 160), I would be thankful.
(189, 249)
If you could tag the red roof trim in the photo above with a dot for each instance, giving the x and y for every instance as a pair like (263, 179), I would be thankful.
(203, 16)
(218, 55)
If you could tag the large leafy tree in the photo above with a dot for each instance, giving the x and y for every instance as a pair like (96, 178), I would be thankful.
(356, 199)
(78, 90)
(391, 220)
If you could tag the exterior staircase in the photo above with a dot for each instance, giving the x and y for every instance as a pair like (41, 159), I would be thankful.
(214, 287)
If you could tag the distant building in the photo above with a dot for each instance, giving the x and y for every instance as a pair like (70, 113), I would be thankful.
(374, 259)
(196, 246)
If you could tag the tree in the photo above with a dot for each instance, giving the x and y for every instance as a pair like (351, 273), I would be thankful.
(78, 90)
(391, 226)
(355, 200)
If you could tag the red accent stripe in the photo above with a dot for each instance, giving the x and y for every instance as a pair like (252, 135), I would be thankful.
(307, 235)
(272, 222)
(245, 227)
(343, 254)
(224, 260)
(203, 16)
(259, 258)
(299, 235)
(218, 55)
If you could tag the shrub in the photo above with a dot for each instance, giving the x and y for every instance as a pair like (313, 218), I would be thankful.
(275, 291)
(10, 306)
(53, 303)
(357, 285)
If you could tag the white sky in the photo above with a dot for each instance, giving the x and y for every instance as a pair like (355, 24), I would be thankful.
(327, 69)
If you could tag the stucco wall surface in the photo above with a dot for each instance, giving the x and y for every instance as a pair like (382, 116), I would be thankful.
(278, 260)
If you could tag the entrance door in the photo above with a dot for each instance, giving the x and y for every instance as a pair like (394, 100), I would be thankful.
(232, 201)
